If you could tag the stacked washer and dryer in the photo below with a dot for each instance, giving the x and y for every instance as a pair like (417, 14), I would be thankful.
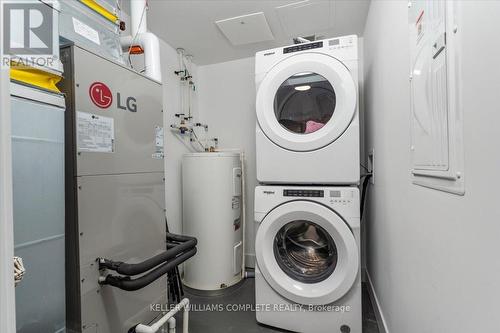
(307, 214)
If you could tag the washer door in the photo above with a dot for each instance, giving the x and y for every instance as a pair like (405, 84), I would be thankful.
(306, 102)
(307, 253)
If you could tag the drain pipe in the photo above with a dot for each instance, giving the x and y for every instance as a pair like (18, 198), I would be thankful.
(148, 41)
(168, 318)
(249, 274)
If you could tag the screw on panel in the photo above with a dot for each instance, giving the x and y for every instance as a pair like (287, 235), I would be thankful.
(81, 233)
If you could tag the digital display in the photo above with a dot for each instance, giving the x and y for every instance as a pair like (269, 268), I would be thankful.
(304, 193)
(334, 42)
(302, 47)
(335, 194)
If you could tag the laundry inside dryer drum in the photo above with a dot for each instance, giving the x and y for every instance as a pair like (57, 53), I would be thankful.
(305, 251)
(304, 103)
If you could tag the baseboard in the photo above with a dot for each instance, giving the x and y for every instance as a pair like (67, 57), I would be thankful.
(376, 304)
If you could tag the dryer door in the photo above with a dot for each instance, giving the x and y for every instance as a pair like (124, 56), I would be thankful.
(307, 253)
(306, 101)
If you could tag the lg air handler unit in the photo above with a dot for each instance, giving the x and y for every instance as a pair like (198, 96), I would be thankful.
(115, 191)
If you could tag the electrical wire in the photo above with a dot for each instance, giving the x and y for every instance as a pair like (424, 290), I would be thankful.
(146, 7)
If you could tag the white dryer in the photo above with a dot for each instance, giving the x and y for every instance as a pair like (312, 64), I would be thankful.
(307, 113)
(307, 275)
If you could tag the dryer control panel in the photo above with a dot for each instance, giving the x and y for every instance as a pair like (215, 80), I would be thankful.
(302, 47)
(304, 193)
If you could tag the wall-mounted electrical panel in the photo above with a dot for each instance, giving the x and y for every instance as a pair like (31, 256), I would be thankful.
(436, 115)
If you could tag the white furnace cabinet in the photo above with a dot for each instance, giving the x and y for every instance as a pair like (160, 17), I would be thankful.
(212, 214)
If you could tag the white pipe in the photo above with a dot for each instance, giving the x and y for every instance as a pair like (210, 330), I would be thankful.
(243, 211)
(151, 45)
(138, 17)
(171, 324)
(166, 318)
(147, 40)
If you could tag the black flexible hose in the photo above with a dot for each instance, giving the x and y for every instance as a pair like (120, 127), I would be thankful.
(186, 244)
(128, 284)
(363, 194)
(176, 291)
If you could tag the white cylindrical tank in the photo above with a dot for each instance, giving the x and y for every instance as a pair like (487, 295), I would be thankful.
(212, 198)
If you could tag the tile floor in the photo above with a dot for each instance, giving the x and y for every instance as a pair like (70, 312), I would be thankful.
(244, 321)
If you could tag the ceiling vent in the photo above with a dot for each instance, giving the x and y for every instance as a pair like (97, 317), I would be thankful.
(246, 29)
(306, 17)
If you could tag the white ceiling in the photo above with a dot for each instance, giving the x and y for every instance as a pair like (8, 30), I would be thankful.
(191, 24)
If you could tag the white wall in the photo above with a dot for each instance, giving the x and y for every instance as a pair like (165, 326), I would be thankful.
(433, 256)
(174, 146)
(226, 101)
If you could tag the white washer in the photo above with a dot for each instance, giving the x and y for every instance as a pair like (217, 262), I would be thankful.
(307, 113)
(308, 276)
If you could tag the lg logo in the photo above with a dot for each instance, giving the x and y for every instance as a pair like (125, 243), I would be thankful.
(101, 96)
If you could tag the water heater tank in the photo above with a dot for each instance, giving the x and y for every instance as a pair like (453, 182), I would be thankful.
(212, 214)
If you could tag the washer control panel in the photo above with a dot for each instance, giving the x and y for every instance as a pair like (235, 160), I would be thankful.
(304, 193)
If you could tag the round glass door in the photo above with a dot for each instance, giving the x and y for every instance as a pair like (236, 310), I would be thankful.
(304, 103)
(305, 251)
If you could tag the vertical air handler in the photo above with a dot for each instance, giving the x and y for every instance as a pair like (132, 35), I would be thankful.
(115, 190)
